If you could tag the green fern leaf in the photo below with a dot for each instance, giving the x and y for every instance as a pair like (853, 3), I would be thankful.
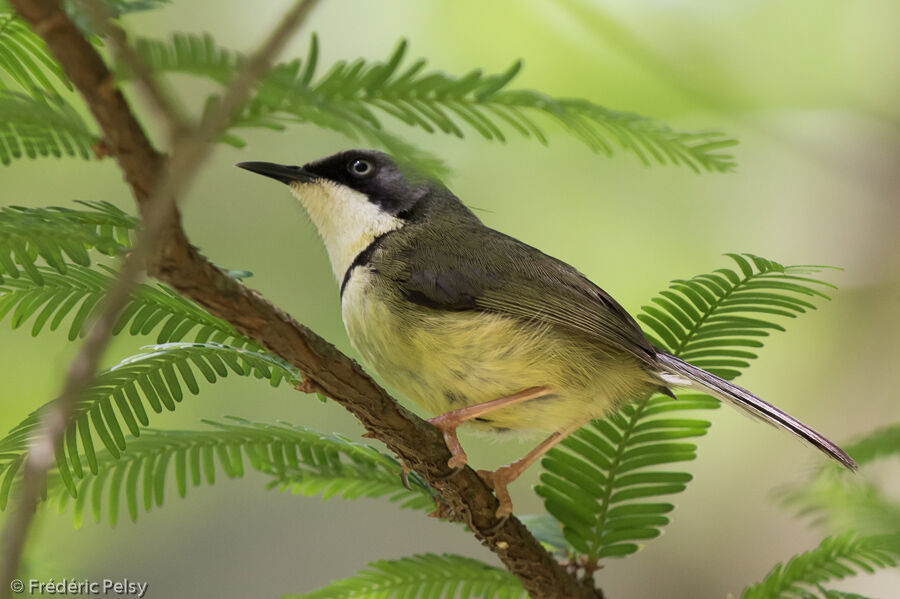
(199, 55)
(191, 54)
(25, 58)
(352, 128)
(60, 236)
(295, 458)
(8, 470)
(426, 575)
(723, 314)
(834, 559)
(329, 465)
(842, 503)
(150, 307)
(120, 399)
(880, 444)
(44, 126)
(353, 98)
(604, 483)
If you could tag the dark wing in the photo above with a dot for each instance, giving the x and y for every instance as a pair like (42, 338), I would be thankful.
(527, 283)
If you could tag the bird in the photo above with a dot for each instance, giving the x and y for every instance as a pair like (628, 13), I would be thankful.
(478, 327)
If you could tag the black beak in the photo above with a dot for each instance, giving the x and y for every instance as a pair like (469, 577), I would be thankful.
(279, 172)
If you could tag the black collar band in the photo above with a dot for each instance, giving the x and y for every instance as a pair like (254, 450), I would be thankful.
(362, 258)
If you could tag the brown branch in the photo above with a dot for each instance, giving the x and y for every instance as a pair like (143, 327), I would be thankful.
(179, 264)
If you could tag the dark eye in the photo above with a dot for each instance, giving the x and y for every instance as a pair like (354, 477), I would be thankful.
(360, 168)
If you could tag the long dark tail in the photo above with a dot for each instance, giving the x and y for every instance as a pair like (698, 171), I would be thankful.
(709, 383)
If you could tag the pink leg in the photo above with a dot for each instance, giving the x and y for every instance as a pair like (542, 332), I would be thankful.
(500, 478)
(448, 423)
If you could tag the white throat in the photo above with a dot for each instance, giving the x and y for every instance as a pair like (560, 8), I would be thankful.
(347, 221)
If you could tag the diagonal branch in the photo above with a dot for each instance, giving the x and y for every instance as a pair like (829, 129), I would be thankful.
(176, 262)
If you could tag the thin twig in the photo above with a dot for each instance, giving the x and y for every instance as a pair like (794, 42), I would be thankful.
(101, 18)
(159, 213)
(191, 150)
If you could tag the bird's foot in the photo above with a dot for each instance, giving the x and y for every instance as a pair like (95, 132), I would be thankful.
(499, 480)
(405, 469)
(447, 424)
(307, 385)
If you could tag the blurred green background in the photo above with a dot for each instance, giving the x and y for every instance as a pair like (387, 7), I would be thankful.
(809, 87)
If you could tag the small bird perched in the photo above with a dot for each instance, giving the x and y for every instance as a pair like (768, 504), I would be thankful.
(477, 326)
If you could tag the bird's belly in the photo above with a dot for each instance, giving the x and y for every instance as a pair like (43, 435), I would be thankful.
(444, 361)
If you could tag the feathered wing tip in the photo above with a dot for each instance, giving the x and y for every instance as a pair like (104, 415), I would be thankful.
(756, 407)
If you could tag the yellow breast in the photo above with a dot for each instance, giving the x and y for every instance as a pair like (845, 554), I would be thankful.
(448, 360)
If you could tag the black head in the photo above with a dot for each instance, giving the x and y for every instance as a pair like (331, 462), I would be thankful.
(396, 190)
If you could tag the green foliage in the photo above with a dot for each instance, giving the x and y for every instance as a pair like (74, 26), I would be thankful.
(41, 126)
(879, 444)
(371, 474)
(140, 384)
(62, 237)
(712, 319)
(353, 97)
(603, 482)
(835, 558)
(25, 59)
(865, 519)
(297, 459)
(425, 576)
(35, 120)
(150, 307)
(841, 503)
(603, 487)
(56, 296)
(598, 487)
(59, 236)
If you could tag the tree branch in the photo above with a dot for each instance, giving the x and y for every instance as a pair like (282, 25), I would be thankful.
(177, 263)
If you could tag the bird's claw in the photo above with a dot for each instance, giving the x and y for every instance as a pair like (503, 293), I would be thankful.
(447, 426)
(405, 469)
(497, 480)
(448, 476)
(458, 461)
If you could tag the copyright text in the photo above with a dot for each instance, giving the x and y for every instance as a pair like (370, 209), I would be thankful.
(71, 586)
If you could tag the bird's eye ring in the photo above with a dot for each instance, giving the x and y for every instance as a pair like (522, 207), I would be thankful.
(360, 168)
